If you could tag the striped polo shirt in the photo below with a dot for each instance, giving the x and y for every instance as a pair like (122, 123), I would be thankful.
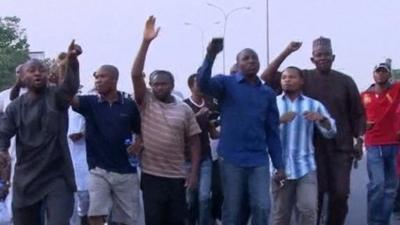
(297, 135)
(165, 129)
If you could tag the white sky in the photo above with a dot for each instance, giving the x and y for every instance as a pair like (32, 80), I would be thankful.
(363, 32)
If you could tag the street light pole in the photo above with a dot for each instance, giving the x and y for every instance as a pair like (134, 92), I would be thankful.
(226, 16)
(267, 30)
(201, 30)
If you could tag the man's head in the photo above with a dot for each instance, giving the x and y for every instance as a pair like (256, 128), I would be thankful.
(322, 54)
(292, 80)
(19, 74)
(106, 79)
(162, 84)
(192, 83)
(34, 75)
(382, 73)
(247, 62)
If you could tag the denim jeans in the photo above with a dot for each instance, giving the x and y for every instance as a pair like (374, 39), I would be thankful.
(381, 165)
(239, 181)
(199, 200)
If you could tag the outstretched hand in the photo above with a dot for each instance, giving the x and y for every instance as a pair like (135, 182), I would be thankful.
(74, 50)
(150, 30)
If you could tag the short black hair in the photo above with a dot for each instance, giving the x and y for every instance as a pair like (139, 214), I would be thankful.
(161, 72)
(111, 69)
(33, 61)
(245, 50)
(297, 69)
(191, 80)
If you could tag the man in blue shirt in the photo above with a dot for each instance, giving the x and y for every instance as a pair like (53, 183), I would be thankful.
(300, 115)
(249, 124)
(111, 118)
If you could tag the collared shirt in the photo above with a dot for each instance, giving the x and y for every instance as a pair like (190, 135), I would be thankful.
(107, 128)
(297, 135)
(249, 118)
(383, 111)
(339, 94)
(40, 125)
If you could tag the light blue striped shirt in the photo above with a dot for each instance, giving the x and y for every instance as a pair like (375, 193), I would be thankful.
(297, 135)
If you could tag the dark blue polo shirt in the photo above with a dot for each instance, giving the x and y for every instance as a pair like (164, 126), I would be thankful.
(107, 128)
(249, 118)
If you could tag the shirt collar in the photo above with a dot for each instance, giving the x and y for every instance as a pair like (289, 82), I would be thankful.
(240, 78)
(300, 97)
(119, 100)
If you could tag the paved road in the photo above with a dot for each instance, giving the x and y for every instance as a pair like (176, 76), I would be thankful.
(358, 197)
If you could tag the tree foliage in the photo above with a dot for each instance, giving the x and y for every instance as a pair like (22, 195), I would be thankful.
(13, 49)
(396, 74)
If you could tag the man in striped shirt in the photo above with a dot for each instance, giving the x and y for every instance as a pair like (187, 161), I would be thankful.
(299, 115)
(168, 127)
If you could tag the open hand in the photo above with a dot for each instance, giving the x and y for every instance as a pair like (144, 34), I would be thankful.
(313, 116)
(279, 176)
(76, 136)
(203, 111)
(287, 117)
(191, 181)
(135, 148)
(150, 31)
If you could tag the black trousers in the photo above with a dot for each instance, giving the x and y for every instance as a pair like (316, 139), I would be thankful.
(56, 207)
(164, 200)
(333, 169)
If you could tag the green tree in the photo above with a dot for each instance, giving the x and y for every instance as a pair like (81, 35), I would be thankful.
(13, 49)
(396, 74)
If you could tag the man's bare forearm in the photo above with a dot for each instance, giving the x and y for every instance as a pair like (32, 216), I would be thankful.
(138, 82)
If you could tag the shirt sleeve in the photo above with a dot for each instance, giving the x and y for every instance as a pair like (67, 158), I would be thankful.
(136, 119)
(84, 105)
(210, 86)
(192, 127)
(272, 133)
(69, 87)
(327, 133)
(8, 127)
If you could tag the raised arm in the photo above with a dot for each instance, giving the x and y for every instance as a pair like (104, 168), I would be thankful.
(270, 72)
(70, 84)
(212, 87)
(139, 85)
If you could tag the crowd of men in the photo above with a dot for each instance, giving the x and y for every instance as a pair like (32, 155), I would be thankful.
(89, 158)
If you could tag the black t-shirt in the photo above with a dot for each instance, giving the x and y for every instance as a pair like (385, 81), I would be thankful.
(204, 124)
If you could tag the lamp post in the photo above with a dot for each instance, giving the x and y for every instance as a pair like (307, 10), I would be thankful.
(201, 30)
(267, 30)
(226, 17)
